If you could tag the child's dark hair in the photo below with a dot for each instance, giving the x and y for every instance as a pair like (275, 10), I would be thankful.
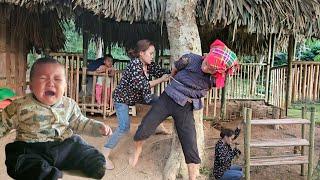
(142, 45)
(108, 56)
(226, 132)
(40, 61)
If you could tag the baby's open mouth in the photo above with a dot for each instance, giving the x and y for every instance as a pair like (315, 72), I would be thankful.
(49, 93)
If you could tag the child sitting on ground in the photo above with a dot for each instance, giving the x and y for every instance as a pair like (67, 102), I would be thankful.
(224, 154)
(106, 68)
(45, 123)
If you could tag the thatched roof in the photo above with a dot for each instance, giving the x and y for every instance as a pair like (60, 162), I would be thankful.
(40, 26)
(244, 24)
(247, 24)
(126, 10)
(124, 33)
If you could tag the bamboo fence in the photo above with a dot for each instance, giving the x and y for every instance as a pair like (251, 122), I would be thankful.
(248, 83)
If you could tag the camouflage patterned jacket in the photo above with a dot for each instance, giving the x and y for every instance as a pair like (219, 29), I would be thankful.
(36, 122)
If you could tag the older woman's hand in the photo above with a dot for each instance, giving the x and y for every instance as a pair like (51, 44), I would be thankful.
(165, 77)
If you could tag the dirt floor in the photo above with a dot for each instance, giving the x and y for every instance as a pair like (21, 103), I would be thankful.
(157, 149)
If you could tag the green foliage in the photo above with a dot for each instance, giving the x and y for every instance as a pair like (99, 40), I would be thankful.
(280, 59)
(119, 53)
(295, 110)
(74, 41)
(317, 58)
(311, 50)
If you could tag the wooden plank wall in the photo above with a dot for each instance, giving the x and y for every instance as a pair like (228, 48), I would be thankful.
(13, 59)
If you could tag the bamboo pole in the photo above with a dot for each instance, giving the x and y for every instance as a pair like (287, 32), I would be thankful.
(272, 43)
(289, 72)
(311, 82)
(305, 69)
(84, 69)
(303, 136)
(247, 114)
(223, 106)
(77, 79)
(215, 102)
(105, 94)
(93, 94)
(69, 86)
(308, 83)
(315, 90)
(311, 141)
(317, 84)
(207, 103)
(293, 84)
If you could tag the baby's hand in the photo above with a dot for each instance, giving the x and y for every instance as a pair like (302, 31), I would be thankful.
(101, 68)
(105, 130)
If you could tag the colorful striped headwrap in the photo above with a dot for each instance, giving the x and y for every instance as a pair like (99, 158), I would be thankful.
(222, 60)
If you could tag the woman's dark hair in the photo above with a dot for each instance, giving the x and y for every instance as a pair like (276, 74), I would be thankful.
(226, 132)
(41, 61)
(142, 45)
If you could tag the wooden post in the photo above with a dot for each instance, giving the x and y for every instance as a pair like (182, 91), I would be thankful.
(276, 115)
(289, 70)
(223, 110)
(311, 141)
(272, 44)
(247, 114)
(303, 136)
(84, 69)
(157, 54)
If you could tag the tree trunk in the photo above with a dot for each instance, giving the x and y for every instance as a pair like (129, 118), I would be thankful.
(316, 172)
(183, 37)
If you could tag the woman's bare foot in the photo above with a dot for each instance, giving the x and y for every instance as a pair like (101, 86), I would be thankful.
(109, 163)
(162, 130)
(133, 160)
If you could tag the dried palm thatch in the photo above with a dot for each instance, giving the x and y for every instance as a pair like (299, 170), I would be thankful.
(263, 17)
(126, 10)
(39, 28)
(244, 24)
(247, 24)
(123, 33)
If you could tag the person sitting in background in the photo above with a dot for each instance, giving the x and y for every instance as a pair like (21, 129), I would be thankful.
(105, 68)
(224, 154)
(93, 66)
(45, 123)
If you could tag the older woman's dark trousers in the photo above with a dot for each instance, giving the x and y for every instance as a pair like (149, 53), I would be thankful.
(45, 160)
(183, 121)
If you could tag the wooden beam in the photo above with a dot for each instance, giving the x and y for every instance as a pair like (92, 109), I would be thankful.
(84, 68)
(280, 121)
(223, 110)
(289, 70)
(303, 136)
(278, 142)
(247, 114)
(311, 140)
(279, 161)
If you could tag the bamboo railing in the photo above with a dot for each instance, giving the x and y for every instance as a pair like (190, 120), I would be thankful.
(73, 64)
(277, 92)
(249, 82)
(305, 81)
